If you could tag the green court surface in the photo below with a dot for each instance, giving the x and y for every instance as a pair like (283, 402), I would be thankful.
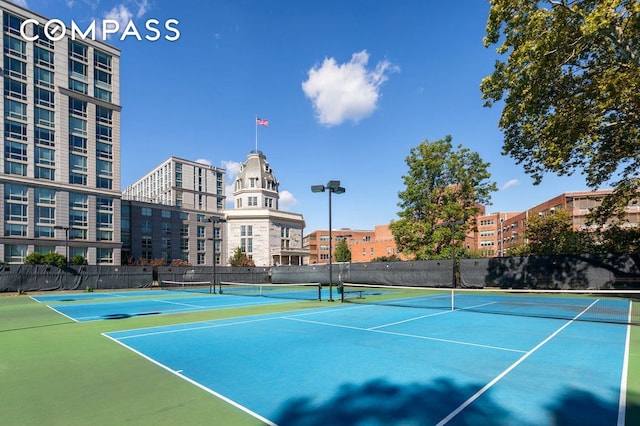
(56, 371)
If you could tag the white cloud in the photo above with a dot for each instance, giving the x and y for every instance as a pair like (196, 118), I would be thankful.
(204, 161)
(143, 8)
(287, 200)
(232, 168)
(121, 13)
(349, 91)
(510, 184)
(22, 3)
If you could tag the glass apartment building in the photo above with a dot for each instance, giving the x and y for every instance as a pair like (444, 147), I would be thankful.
(60, 174)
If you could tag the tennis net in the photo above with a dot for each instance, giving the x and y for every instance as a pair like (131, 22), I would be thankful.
(188, 286)
(613, 306)
(301, 291)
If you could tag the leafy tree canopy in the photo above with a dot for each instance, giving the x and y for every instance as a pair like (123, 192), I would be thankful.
(240, 259)
(571, 90)
(79, 259)
(443, 189)
(50, 258)
(342, 252)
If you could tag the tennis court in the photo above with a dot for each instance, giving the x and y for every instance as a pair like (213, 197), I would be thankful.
(119, 305)
(374, 364)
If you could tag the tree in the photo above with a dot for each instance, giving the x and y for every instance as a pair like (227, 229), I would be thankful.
(342, 252)
(392, 258)
(571, 90)
(55, 259)
(444, 188)
(553, 234)
(78, 259)
(34, 258)
(240, 259)
(51, 258)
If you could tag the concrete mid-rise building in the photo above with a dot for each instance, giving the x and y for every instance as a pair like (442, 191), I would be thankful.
(319, 241)
(498, 232)
(265, 234)
(60, 178)
(182, 183)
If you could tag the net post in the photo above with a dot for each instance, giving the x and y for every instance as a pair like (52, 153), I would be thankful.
(453, 305)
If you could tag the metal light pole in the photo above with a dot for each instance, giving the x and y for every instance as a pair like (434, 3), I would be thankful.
(66, 241)
(214, 220)
(331, 186)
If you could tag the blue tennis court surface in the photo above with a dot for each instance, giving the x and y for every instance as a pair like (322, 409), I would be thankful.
(381, 365)
(73, 297)
(123, 308)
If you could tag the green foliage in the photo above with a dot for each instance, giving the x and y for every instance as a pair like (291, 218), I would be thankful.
(570, 86)
(78, 259)
(55, 259)
(554, 234)
(443, 186)
(520, 249)
(51, 258)
(34, 259)
(342, 252)
(240, 259)
(620, 240)
(89, 289)
(392, 258)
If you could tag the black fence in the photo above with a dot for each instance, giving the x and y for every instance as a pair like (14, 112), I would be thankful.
(255, 275)
(588, 271)
(16, 278)
(542, 272)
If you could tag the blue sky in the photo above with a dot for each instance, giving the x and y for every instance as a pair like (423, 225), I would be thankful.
(348, 87)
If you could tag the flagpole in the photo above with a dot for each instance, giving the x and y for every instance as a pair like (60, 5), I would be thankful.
(256, 133)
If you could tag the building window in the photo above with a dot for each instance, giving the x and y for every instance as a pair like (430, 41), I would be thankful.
(45, 98)
(146, 211)
(15, 210)
(15, 68)
(15, 253)
(78, 214)
(15, 130)
(43, 57)
(166, 228)
(15, 89)
(45, 213)
(43, 77)
(77, 144)
(200, 231)
(104, 256)
(147, 248)
(15, 109)
(146, 226)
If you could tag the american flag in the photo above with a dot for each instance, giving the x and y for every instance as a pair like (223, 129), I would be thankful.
(262, 122)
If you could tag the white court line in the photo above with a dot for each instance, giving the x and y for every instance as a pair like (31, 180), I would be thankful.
(414, 336)
(508, 370)
(176, 303)
(622, 405)
(409, 320)
(193, 382)
(203, 327)
(64, 315)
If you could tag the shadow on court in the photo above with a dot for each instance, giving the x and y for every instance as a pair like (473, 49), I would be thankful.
(379, 402)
